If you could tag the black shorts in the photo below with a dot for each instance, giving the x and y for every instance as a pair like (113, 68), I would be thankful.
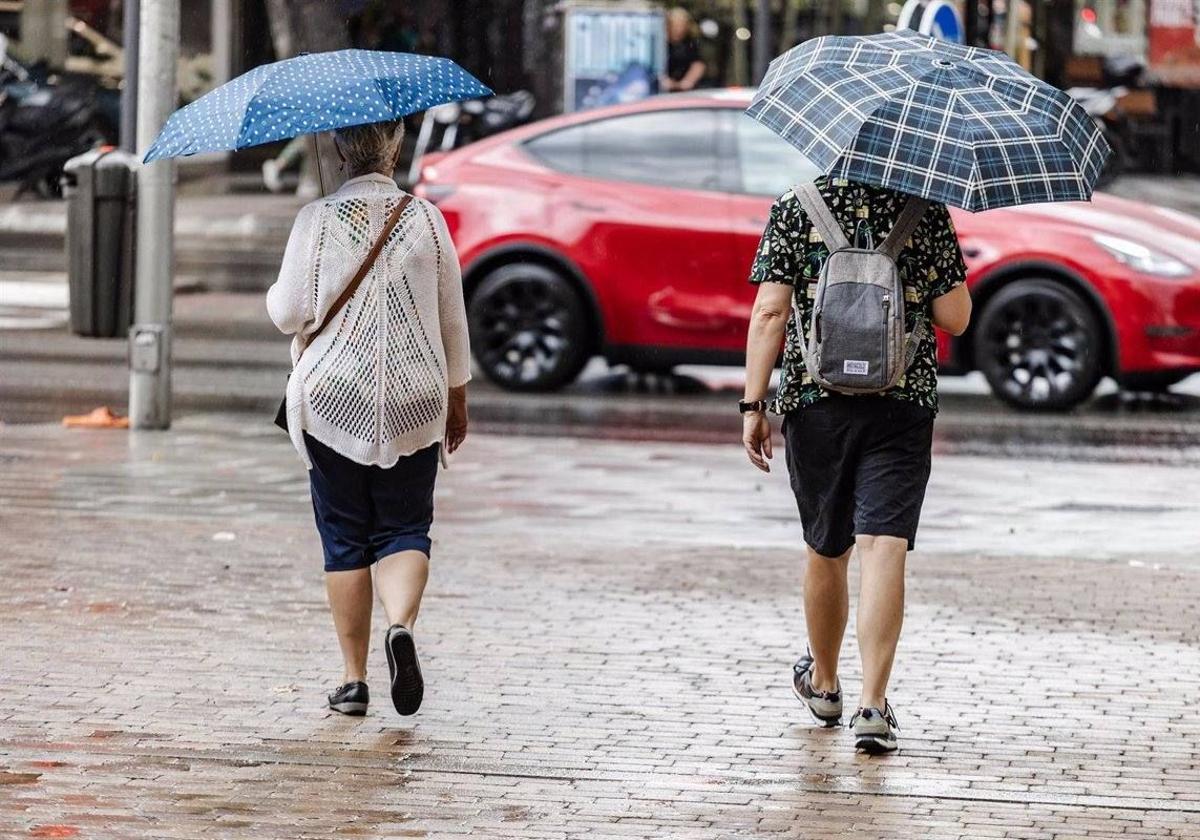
(859, 465)
(367, 513)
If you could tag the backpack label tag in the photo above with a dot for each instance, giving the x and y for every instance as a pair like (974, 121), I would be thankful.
(855, 367)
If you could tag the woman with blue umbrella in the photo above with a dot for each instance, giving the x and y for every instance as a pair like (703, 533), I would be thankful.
(370, 290)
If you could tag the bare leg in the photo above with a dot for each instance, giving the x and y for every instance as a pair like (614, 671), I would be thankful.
(350, 601)
(880, 612)
(400, 580)
(826, 610)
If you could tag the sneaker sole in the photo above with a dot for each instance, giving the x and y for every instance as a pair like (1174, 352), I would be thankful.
(825, 722)
(408, 686)
(352, 709)
(875, 744)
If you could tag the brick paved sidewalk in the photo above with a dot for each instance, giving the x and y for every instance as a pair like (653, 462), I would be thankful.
(607, 639)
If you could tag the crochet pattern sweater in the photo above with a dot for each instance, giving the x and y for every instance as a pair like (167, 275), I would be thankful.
(373, 386)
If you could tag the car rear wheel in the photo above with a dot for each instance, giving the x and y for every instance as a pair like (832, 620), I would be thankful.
(529, 328)
(1038, 344)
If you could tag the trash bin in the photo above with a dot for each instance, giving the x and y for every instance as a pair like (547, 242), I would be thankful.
(99, 189)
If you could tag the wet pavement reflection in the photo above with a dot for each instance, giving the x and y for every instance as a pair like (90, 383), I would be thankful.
(698, 407)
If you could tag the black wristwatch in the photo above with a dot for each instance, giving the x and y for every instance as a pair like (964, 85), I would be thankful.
(757, 405)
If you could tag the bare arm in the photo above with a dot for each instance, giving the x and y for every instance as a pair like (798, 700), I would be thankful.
(952, 311)
(949, 300)
(456, 418)
(768, 321)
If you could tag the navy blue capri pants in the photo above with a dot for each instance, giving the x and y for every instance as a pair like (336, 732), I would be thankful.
(365, 513)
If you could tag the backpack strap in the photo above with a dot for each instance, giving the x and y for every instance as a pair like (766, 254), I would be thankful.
(814, 205)
(905, 226)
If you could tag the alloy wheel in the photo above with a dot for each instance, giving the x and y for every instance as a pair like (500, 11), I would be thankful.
(1038, 348)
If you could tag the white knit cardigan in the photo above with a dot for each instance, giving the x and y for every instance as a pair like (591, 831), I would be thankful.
(373, 386)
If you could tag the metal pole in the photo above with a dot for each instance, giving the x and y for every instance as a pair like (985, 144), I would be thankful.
(762, 39)
(150, 338)
(129, 85)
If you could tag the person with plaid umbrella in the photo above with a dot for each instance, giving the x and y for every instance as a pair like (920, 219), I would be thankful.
(885, 117)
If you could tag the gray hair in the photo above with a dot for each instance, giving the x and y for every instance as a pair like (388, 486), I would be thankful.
(371, 147)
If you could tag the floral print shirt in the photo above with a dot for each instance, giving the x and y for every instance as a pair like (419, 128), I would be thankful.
(791, 252)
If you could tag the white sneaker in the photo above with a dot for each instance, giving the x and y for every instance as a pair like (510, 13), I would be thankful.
(271, 175)
(824, 706)
(875, 729)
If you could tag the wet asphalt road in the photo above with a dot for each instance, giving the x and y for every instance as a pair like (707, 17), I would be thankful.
(698, 406)
(695, 406)
(228, 357)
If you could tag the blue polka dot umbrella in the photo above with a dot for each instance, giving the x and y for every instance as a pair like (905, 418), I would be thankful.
(311, 93)
(961, 125)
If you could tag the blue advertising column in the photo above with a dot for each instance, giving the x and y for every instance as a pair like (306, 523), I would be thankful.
(612, 55)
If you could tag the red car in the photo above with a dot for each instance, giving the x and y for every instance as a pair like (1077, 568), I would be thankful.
(629, 232)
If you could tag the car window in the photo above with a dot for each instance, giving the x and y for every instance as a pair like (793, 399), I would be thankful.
(768, 164)
(671, 148)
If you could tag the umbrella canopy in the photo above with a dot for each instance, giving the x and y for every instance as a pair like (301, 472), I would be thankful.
(311, 93)
(961, 125)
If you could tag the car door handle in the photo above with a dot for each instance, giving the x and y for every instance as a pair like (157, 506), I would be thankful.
(588, 208)
(971, 251)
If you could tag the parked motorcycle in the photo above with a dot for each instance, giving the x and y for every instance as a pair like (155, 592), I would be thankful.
(43, 124)
(461, 123)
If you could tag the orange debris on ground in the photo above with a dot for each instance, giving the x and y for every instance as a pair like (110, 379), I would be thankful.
(100, 418)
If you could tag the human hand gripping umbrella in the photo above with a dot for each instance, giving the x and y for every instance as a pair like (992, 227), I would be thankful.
(312, 93)
(961, 125)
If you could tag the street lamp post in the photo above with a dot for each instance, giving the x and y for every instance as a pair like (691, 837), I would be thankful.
(150, 336)
(129, 85)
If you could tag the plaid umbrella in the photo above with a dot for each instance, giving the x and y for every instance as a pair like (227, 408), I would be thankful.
(961, 125)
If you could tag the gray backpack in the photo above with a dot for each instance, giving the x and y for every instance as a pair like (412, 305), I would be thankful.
(857, 344)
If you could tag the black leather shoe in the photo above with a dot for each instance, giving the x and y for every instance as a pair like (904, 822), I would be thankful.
(350, 699)
(408, 686)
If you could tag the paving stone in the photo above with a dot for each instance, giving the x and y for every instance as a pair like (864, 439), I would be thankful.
(607, 651)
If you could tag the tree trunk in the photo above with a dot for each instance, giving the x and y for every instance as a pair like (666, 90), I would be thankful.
(837, 17)
(787, 32)
(741, 58)
(876, 16)
(299, 26)
(44, 32)
(306, 26)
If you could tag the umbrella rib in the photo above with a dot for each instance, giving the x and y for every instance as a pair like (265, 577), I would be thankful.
(260, 83)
